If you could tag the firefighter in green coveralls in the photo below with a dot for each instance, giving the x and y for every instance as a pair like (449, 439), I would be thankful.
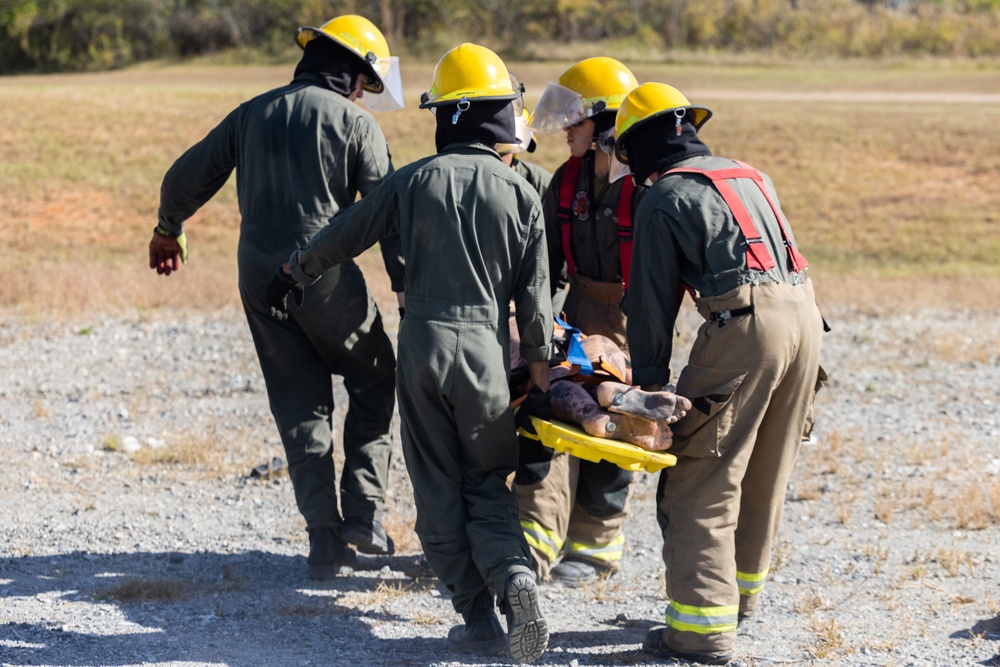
(473, 241)
(302, 153)
(573, 510)
(713, 225)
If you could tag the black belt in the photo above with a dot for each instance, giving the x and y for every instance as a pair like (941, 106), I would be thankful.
(724, 316)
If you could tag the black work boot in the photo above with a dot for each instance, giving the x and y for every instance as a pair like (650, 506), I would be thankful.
(482, 633)
(368, 535)
(654, 645)
(527, 631)
(328, 555)
(575, 573)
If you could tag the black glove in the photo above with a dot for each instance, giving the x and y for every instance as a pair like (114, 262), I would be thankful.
(538, 403)
(277, 294)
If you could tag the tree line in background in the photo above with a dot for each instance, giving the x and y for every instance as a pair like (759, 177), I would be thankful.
(75, 35)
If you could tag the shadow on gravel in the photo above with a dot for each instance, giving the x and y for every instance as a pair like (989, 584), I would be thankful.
(988, 629)
(203, 608)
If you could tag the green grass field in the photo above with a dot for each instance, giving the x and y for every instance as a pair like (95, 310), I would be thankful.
(888, 173)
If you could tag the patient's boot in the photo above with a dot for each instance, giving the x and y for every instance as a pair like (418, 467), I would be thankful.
(660, 406)
(653, 436)
(573, 403)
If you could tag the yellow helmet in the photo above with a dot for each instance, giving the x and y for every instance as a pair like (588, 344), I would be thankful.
(598, 80)
(649, 101)
(470, 72)
(359, 36)
(588, 88)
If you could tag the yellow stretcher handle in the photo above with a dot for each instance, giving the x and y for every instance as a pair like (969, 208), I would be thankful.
(567, 438)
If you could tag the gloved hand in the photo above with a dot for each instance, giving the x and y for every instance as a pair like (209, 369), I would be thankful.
(277, 294)
(165, 249)
(538, 403)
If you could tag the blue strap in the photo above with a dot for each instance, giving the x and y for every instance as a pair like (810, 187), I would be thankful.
(575, 354)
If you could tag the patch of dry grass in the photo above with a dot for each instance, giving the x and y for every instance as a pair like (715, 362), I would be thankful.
(217, 453)
(893, 201)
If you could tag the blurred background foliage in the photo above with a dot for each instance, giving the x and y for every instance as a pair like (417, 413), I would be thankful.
(41, 36)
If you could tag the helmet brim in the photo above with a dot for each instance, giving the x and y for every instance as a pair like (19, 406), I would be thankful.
(375, 83)
(701, 115)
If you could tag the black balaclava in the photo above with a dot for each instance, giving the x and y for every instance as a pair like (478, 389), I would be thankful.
(603, 122)
(656, 146)
(487, 122)
(333, 63)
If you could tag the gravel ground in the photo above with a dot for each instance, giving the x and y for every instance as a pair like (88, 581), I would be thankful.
(131, 532)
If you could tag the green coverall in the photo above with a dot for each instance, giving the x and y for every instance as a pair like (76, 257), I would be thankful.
(473, 241)
(751, 377)
(537, 177)
(301, 154)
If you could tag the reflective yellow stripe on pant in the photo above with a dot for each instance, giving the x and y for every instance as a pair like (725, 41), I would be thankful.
(605, 553)
(751, 583)
(701, 620)
(542, 539)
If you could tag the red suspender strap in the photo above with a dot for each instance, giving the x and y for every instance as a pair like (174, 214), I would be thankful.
(757, 256)
(625, 226)
(567, 190)
(758, 259)
(799, 262)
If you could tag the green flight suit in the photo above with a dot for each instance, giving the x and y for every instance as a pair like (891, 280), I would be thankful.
(301, 154)
(751, 377)
(538, 177)
(473, 241)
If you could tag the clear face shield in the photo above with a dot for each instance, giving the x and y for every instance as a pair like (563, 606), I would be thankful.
(390, 99)
(523, 134)
(558, 108)
(616, 169)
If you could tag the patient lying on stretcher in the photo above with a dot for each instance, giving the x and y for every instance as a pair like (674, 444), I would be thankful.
(604, 403)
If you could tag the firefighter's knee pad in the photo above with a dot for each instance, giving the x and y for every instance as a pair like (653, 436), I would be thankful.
(533, 463)
(603, 488)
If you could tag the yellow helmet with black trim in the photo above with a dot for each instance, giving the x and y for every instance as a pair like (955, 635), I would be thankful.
(599, 80)
(587, 89)
(359, 36)
(470, 72)
(650, 101)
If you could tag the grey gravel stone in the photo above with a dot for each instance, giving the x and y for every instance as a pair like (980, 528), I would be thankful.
(132, 534)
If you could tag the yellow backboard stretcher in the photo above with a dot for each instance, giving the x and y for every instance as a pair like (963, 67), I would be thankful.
(571, 439)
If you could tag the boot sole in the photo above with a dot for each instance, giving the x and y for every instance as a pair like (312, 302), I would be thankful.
(527, 631)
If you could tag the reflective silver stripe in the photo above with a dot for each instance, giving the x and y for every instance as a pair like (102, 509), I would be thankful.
(610, 552)
(544, 540)
(751, 583)
(702, 620)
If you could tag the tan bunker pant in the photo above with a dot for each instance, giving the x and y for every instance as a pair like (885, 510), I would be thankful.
(751, 380)
(571, 507)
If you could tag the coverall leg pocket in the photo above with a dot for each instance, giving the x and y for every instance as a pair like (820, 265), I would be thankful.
(715, 400)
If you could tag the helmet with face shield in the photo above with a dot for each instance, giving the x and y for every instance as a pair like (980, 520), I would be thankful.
(587, 89)
(360, 37)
